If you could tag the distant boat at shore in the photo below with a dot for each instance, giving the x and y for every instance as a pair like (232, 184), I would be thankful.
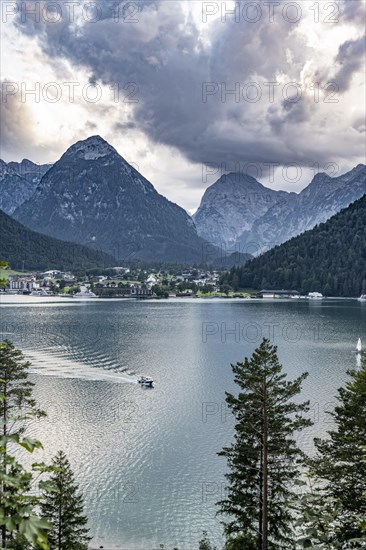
(359, 346)
(362, 298)
(315, 296)
(85, 293)
(39, 292)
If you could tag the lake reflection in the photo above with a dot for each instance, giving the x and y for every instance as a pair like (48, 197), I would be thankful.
(146, 459)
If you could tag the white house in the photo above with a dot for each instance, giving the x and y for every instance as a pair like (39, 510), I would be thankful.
(151, 281)
(22, 283)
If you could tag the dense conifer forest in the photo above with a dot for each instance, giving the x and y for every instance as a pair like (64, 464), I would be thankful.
(22, 247)
(331, 258)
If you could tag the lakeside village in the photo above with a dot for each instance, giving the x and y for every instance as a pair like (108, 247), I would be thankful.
(124, 282)
(117, 282)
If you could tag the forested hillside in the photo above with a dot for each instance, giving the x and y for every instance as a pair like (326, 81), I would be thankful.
(331, 258)
(22, 247)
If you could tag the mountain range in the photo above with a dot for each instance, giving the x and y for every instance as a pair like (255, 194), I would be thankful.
(93, 196)
(329, 258)
(239, 212)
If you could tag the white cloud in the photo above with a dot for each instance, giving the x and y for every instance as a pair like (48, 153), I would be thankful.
(162, 61)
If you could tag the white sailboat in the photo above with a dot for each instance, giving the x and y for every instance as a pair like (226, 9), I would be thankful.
(359, 346)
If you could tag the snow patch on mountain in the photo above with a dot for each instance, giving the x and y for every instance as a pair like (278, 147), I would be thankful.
(92, 148)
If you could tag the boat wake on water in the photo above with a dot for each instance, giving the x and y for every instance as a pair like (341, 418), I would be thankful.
(50, 364)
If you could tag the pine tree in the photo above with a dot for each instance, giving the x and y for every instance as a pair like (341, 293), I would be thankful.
(205, 544)
(17, 406)
(16, 388)
(340, 463)
(264, 458)
(63, 507)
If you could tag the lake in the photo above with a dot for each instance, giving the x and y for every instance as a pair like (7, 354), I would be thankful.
(146, 459)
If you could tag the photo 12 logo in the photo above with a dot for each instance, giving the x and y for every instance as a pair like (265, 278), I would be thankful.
(269, 92)
(123, 493)
(71, 92)
(53, 13)
(291, 332)
(290, 172)
(100, 412)
(216, 413)
(270, 12)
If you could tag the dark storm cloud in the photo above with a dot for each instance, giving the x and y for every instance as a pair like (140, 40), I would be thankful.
(164, 56)
(350, 58)
(353, 11)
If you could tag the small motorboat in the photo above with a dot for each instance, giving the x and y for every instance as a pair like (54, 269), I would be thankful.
(359, 346)
(146, 381)
(362, 298)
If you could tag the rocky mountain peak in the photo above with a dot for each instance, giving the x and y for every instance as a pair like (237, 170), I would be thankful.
(235, 182)
(231, 205)
(15, 188)
(357, 171)
(93, 195)
(91, 148)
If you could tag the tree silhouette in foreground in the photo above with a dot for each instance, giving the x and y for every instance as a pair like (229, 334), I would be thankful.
(63, 507)
(339, 466)
(264, 458)
(19, 517)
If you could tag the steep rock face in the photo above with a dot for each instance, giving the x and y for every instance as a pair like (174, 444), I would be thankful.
(92, 195)
(321, 199)
(18, 181)
(29, 170)
(231, 205)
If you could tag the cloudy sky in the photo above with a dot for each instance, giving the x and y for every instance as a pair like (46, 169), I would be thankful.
(188, 90)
